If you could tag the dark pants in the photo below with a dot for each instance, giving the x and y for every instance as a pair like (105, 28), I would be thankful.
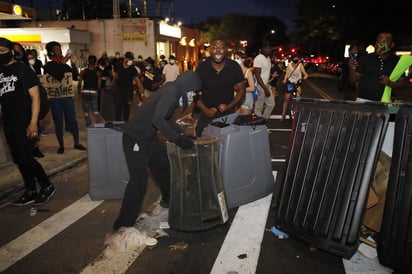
(22, 151)
(121, 107)
(151, 154)
(60, 107)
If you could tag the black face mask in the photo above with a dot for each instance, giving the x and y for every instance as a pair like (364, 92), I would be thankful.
(295, 61)
(5, 58)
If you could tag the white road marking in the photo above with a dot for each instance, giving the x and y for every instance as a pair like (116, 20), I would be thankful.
(244, 238)
(37, 236)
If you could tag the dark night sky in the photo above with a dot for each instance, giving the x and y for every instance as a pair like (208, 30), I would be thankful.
(194, 11)
(197, 10)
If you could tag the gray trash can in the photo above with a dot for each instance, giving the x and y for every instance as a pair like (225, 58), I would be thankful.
(108, 173)
(245, 160)
(197, 198)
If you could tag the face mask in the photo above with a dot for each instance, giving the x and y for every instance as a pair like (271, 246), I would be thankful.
(295, 61)
(32, 62)
(172, 61)
(382, 48)
(139, 60)
(130, 62)
(5, 58)
(238, 61)
(101, 67)
(147, 67)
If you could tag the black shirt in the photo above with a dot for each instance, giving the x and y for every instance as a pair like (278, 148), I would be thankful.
(372, 66)
(14, 96)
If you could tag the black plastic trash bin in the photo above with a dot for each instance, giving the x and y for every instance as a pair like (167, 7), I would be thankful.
(197, 198)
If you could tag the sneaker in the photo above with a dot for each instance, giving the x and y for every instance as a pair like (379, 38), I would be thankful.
(38, 153)
(44, 195)
(27, 198)
(79, 147)
(60, 150)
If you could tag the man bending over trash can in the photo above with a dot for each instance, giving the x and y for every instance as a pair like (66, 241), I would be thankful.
(143, 149)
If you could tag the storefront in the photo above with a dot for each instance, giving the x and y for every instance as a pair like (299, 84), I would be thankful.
(37, 38)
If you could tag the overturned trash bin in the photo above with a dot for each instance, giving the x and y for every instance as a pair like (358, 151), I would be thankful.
(197, 199)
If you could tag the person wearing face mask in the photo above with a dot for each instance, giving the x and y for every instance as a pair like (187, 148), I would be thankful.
(152, 77)
(371, 73)
(20, 107)
(125, 74)
(62, 105)
(262, 64)
(295, 72)
(170, 70)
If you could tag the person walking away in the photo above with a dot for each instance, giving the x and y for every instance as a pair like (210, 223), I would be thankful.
(62, 104)
(295, 72)
(170, 70)
(265, 102)
(220, 77)
(89, 84)
(248, 102)
(371, 73)
(143, 149)
(20, 106)
(124, 76)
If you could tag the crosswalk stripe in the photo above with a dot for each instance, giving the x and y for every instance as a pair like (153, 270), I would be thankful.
(37, 236)
(244, 237)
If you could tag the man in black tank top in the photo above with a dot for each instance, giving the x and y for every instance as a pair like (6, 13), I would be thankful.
(90, 78)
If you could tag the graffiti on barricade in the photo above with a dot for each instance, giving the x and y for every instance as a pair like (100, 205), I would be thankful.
(56, 88)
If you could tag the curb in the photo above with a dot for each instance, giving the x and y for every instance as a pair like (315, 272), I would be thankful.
(16, 188)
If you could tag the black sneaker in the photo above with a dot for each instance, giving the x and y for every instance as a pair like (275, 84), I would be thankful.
(79, 147)
(38, 153)
(60, 150)
(44, 195)
(27, 198)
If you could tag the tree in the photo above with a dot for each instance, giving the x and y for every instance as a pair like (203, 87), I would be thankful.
(236, 27)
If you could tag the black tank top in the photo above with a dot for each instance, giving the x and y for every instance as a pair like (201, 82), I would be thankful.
(90, 79)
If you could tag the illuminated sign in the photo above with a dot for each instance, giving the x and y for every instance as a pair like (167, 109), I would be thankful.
(23, 38)
(168, 30)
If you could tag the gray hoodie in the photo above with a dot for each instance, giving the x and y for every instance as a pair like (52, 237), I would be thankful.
(156, 112)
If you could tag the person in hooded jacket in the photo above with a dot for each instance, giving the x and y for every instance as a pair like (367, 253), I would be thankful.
(144, 149)
(56, 68)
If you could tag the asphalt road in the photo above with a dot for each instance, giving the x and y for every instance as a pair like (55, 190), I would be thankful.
(67, 234)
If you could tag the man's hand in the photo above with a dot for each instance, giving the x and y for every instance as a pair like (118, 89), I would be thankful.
(184, 142)
(211, 112)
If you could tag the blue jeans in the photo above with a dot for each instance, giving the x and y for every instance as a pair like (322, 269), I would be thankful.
(64, 106)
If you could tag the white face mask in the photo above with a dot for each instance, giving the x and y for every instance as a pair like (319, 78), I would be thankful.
(130, 62)
(238, 61)
(101, 67)
(31, 62)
